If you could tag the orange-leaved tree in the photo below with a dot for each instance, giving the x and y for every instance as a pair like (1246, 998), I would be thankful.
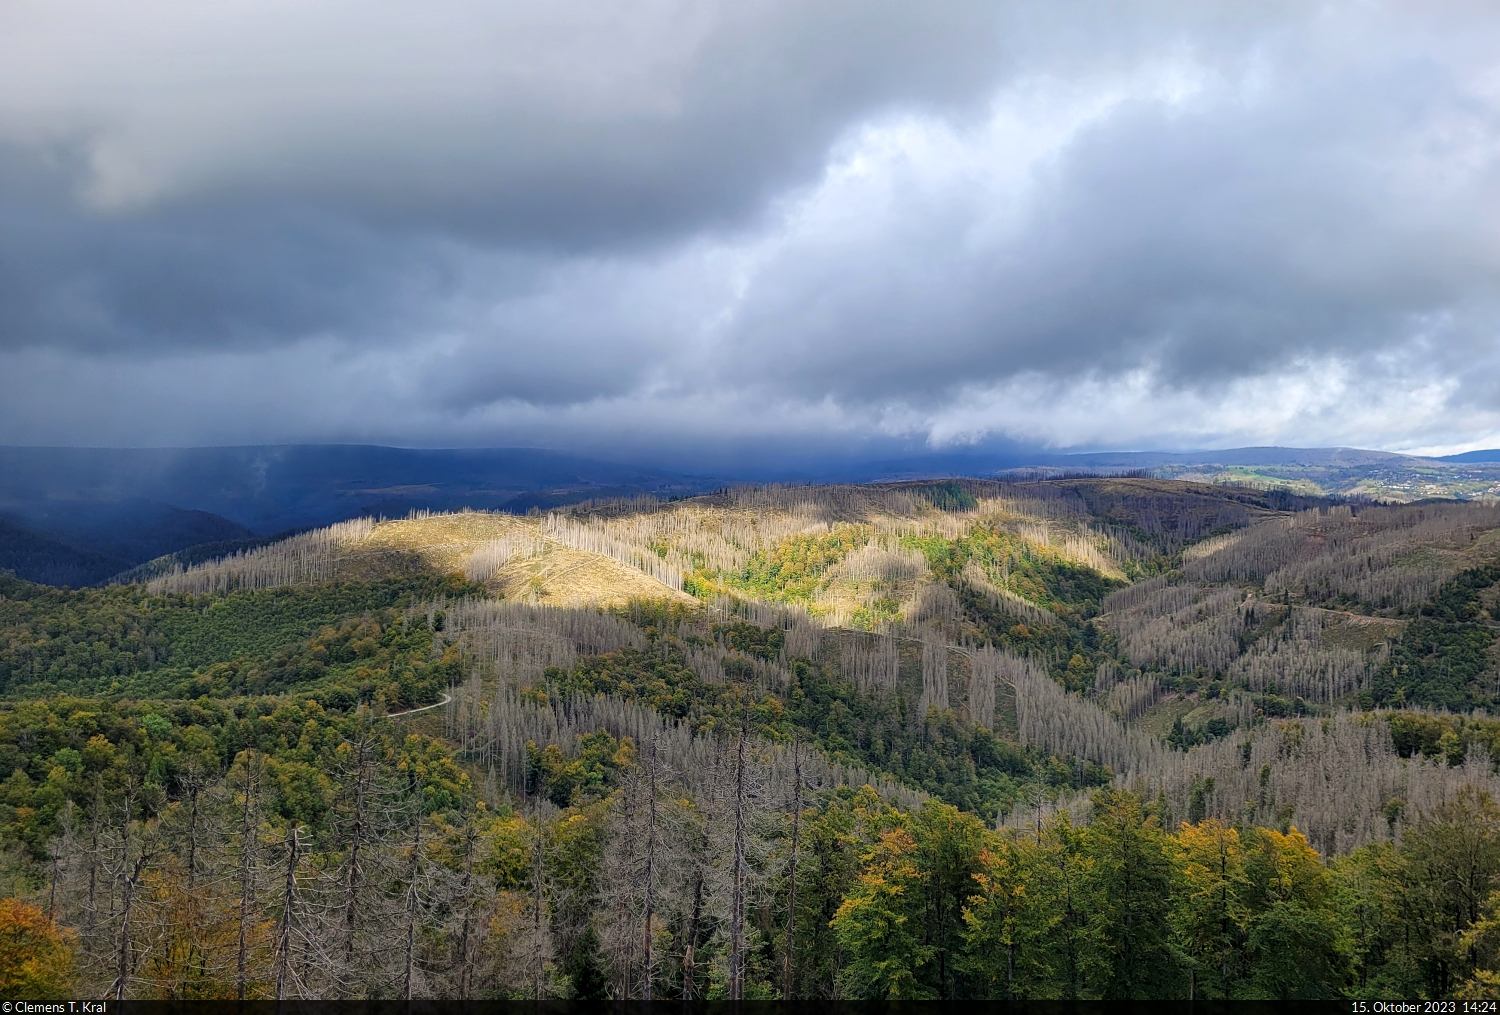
(36, 956)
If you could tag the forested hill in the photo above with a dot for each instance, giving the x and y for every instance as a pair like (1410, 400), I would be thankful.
(41, 559)
(1073, 738)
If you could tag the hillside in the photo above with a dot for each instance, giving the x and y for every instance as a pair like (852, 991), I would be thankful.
(637, 715)
(37, 558)
(1332, 472)
(1345, 472)
(274, 488)
(138, 506)
(85, 544)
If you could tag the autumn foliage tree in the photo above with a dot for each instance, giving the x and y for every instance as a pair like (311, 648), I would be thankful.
(36, 956)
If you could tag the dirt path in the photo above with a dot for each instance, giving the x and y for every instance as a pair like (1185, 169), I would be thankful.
(412, 711)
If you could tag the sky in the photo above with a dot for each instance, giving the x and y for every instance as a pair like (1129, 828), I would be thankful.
(657, 227)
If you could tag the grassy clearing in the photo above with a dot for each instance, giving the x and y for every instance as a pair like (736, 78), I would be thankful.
(564, 576)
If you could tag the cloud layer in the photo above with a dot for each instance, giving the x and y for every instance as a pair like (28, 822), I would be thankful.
(658, 225)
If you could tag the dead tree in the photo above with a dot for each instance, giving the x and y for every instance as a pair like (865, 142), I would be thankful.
(249, 821)
(465, 892)
(288, 907)
(651, 846)
(61, 849)
(193, 784)
(699, 883)
(737, 902)
(130, 877)
(124, 963)
(362, 837)
(96, 814)
(618, 871)
(934, 677)
(791, 893)
(537, 875)
(413, 888)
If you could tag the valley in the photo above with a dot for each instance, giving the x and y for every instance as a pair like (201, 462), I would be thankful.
(1070, 738)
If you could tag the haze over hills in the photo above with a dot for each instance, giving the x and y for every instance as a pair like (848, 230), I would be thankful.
(272, 488)
(88, 514)
(1346, 457)
(1347, 472)
(123, 507)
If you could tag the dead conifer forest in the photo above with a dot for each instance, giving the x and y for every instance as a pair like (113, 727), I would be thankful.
(1067, 738)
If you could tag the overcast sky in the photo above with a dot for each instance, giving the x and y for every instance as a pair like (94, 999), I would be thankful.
(632, 226)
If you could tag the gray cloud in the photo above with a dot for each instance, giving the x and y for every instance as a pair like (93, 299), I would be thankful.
(651, 224)
(222, 275)
(574, 124)
(1208, 239)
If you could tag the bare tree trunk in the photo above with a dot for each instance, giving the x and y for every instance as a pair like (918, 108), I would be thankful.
(93, 879)
(62, 853)
(356, 842)
(622, 939)
(122, 962)
(247, 860)
(288, 900)
(129, 878)
(52, 889)
(93, 907)
(464, 892)
(650, 871)
(194, 787)
(193, 780)
(688, 963)
(536, 908)
(791, 895)
(1039, 798)
(695, 922)
(737, 906)
(412, 887)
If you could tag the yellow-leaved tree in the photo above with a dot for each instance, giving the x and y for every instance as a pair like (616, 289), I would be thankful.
(36, 956)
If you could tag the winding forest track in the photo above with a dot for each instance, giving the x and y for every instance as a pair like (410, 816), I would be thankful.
(413, 711)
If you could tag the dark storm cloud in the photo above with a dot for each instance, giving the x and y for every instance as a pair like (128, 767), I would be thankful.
(226, 274)
(1213, 242)
(276, 172)
(651, 223)
(574, 124)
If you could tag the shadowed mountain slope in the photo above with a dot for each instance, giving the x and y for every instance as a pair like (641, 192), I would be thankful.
(36, 558)
(274, 488)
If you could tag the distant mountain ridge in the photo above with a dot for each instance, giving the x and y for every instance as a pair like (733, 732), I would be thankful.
(272, 488)
(975, 462)
(80, 515)
(36, 558)
(86, 514)
(1322, 457)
